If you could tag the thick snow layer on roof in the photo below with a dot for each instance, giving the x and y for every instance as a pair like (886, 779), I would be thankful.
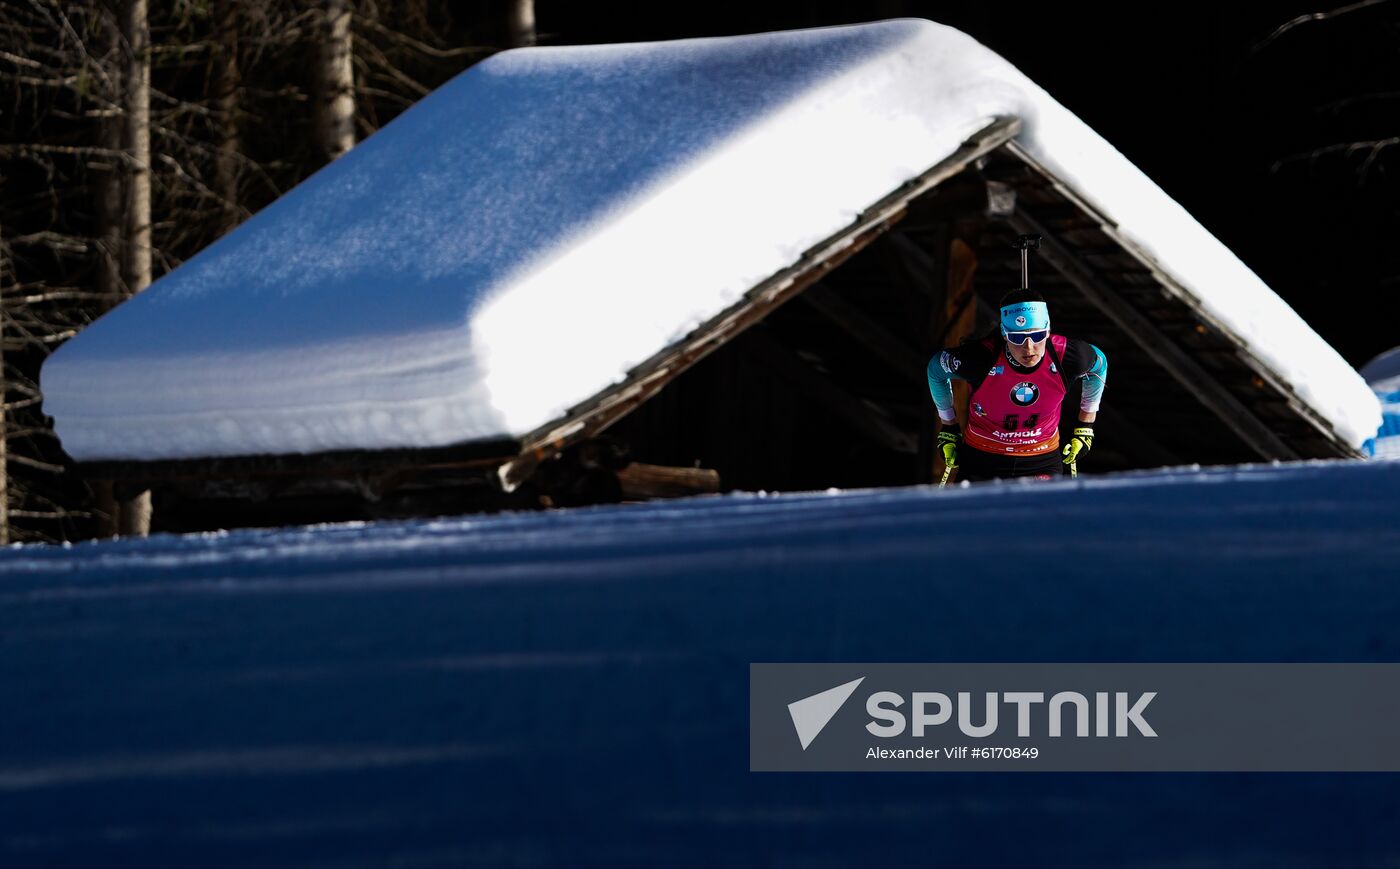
(535, 228)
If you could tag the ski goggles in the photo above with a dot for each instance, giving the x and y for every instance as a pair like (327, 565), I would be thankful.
(1035, 337)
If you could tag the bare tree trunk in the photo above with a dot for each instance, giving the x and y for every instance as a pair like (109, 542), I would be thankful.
(335, 121)
(135, 512)
(520, 23)
(137, 88)
(227, 82)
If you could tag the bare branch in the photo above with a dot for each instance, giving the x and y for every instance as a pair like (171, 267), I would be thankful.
(18, 405)
(56, 296)
(19, 60)
(383, 94)
(54, 514)
(375, 56)
(423, 47)
(21, 386)
(34, 463)
(1315, 16)
(29, 431)
(53, 241)
(194, 182)
(1373, 149)
(26, 150)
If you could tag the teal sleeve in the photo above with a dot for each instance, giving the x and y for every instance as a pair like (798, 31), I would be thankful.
(940, 386)
(1094, 379)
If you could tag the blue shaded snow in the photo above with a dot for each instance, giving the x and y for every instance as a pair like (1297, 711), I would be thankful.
(570, 688)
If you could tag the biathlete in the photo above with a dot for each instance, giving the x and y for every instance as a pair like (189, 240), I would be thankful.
(1018, 383)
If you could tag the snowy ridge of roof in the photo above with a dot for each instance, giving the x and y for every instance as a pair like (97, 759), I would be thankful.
(528, 233)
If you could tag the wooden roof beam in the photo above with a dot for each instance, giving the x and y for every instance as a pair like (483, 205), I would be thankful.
(889, 347)
(967, 195)
(862, 415)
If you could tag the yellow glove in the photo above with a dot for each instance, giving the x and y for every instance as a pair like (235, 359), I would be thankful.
(948, 440)
(1080, 442)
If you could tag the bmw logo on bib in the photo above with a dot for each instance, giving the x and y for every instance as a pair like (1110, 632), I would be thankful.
(1025, 393)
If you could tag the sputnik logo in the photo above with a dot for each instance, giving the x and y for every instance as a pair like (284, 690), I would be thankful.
(811, 714)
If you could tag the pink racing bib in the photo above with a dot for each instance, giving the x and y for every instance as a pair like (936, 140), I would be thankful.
(1014, 413)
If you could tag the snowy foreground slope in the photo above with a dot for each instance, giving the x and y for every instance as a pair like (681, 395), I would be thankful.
(570, 688)
(527, 234)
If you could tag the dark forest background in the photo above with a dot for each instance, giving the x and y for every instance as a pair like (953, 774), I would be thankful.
(1274, 124)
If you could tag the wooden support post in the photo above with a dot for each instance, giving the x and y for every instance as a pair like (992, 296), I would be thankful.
(133, 508)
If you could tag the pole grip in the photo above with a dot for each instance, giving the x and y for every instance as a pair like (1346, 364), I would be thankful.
(1026, 244)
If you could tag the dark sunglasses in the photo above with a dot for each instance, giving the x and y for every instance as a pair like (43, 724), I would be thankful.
(1022, 337)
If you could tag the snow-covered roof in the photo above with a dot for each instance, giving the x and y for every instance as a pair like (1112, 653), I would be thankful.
(522, 238)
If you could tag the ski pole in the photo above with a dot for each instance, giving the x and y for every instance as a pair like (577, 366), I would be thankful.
(1025, 244)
